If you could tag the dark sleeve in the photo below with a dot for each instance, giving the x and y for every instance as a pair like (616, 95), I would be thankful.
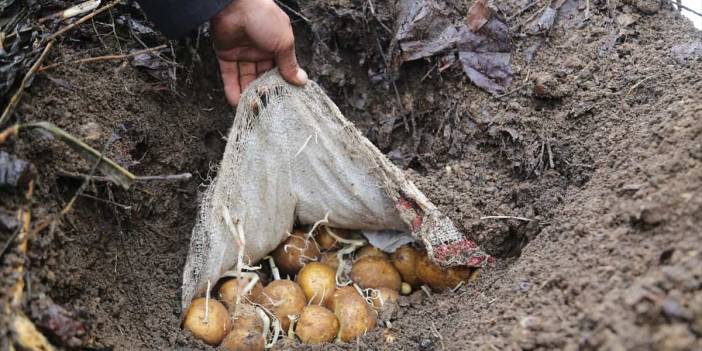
(175, 18)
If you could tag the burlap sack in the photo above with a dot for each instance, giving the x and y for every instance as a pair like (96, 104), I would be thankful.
(291, 155)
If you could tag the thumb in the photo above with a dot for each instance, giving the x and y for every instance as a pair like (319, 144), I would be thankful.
(287, 65)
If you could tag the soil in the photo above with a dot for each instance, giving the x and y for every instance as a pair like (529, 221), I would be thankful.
(598, 143)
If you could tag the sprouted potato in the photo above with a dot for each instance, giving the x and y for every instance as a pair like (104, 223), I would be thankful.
(318, 282)
(212, 329)
(374, 272)
(331, 302)
(244, 316)
(369, 250)
(295, 252)
(244, 340)
(317, 325)
(382, 297)
(330, 259)
(283, 298)
(229, 289)
(325, 240)
(405, 261)
(355, 316)
(439, 278)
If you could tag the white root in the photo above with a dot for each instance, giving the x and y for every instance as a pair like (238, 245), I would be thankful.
(291, 330)
(458, 286)
(266, 321)
(269, 321)
(274, 270)
(207, 302)
(426, 290)
(316, 224)
(351, 247)
(276, 332)
(238, 231)
(304, 145)
(359, 242)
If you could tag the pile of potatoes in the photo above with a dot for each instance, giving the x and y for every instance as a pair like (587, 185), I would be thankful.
(309, 304)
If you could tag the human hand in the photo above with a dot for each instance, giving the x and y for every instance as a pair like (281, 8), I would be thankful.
(250, 38)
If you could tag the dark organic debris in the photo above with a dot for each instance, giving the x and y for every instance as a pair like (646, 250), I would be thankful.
(424, 29)
(135, 25)
(548, 86)
(8, 220)
(482, 42)
(59, 324)
(155, 66)
(687, 52)
(544, 22)
(485, 54)
(17, 52)
(14, 172)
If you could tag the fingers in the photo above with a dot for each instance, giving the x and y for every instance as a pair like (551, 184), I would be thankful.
(288, 67)
(244, 53)
(247, 74)
(263, 67)
(230, 78)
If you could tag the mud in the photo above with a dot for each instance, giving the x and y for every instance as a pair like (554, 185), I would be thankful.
(598, 144)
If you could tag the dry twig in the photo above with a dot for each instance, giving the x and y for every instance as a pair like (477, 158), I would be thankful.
(27, 77)
(82, 20)
(103, 58)
(507, 217)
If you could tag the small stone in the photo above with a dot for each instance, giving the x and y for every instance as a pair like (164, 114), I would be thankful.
(531, 323)
(676, 337)
(648, 7)
(91, 131)
(426, 344)
(417, 298)
(626, 19)
(672, 309)
(14, 172)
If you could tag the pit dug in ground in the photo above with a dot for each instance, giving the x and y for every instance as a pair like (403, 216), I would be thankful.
(582, 177)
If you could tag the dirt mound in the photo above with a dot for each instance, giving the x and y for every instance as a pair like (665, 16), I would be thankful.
(594, 154)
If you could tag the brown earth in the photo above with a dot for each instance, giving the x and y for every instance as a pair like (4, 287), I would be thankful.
(607, 165)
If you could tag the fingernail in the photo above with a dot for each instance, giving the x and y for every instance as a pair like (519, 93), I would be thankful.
(301, 76)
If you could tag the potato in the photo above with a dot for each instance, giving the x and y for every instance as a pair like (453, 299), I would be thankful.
(383, 296)
(405, 261)
(295, 252)
(355, 316)
(329, 258)
(439, 278)
(229, 289)
(369, 250)
(244, 340)
(318, 281)
(212, 330)
(245, 317)
(374, 272)
(330, 303)
(325, 241)
(317, 325)
(283, 298)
